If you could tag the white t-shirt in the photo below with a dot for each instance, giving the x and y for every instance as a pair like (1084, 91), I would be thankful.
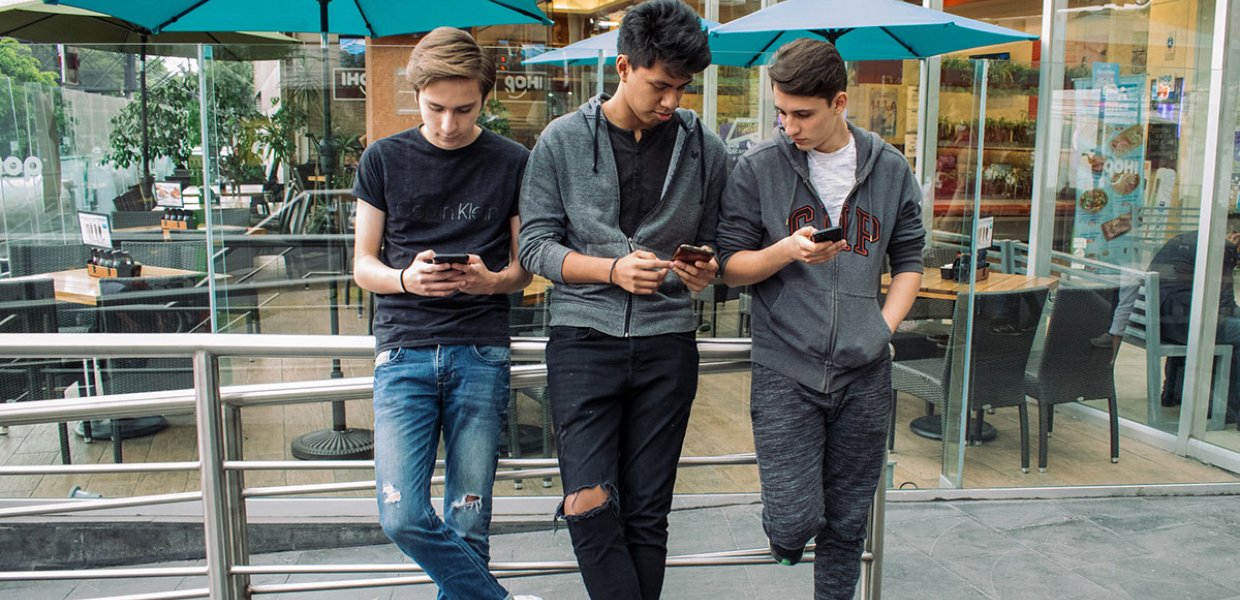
(834, 175)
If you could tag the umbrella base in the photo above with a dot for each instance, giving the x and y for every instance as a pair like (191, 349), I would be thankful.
(129, 428)
(929, 426)
(330, 444)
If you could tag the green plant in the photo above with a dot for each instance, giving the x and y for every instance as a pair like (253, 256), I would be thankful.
(1071, 74)
(172, 125)
(19, 63)
(495, 117)
(279, 132)
(173, 122)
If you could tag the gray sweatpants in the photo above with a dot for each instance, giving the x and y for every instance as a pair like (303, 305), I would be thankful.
(820, 457)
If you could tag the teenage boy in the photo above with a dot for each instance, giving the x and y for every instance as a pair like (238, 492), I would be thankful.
(821, 386)
(611, 192)
(441, 328)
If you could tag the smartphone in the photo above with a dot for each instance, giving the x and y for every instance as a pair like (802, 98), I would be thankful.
(828, 234)
(456, 258)
(689, 254)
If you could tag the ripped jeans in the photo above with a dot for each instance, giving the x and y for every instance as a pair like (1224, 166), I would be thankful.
(621, 406)
(463, 391)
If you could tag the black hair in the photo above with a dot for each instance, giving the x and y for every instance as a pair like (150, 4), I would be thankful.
(667, 31)
(809, 67)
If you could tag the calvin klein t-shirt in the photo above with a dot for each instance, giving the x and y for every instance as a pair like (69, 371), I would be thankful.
(449, 201)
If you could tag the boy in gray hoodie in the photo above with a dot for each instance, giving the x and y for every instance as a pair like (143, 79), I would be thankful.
(610, 193)
(821, 387)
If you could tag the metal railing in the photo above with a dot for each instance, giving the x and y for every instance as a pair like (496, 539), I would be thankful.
(221, 466)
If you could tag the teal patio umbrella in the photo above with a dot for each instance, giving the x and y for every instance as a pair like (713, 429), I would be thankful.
(373, 18)
(861, 29)
(34, 21)
(600, 50)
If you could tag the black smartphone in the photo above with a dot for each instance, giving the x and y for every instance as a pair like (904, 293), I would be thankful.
(689, 254)
(828, 234)
(456, 258)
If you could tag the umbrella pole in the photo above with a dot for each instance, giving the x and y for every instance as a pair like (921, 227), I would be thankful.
(340, 442)
(145, 186)
(602, 64)
(327, 150)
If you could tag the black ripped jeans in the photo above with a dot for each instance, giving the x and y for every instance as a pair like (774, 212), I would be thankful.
(621, 406)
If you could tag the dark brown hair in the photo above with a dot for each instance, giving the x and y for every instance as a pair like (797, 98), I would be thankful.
(808, 67)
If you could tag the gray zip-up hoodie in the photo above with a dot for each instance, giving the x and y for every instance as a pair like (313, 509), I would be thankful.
(570, 201)
(820, 324)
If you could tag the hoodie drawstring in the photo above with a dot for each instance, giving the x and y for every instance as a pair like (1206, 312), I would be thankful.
(702, 149)
(594, 132)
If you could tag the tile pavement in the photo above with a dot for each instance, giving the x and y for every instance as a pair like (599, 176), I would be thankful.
(1079, 549)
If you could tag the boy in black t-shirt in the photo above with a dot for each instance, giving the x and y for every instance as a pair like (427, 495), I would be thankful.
(441, 329)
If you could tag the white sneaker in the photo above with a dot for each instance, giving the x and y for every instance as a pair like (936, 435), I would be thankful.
(526, 597)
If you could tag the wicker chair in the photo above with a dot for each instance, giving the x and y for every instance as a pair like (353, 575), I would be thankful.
(1004, 325)
(37, 259)
(190, 256)
(29, 306)
(1070, 368)
(150, 305)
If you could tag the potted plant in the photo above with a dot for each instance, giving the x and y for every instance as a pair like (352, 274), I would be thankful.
(495, 117)
(173, 123)
(957, 73)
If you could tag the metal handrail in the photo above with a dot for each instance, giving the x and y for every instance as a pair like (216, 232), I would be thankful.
(223, 495)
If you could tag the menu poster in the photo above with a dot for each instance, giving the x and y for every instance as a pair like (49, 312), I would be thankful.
(1162, 146)
(168, 193)
(1110, 184)
(96, 229)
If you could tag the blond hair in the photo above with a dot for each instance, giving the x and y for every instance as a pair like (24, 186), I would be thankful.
(449, 53)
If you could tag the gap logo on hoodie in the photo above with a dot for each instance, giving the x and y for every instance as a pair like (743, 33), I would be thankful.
(868, 230)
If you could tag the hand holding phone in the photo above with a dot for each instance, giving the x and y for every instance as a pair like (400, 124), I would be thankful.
(811, 246)
(827, 234)
(455, 258)
(690, 254)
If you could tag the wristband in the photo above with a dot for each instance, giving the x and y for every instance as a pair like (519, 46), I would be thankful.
(612, 271)
(402, 280)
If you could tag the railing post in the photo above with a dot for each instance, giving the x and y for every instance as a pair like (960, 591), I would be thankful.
(872, 562)
(215, 513)
(234, 483)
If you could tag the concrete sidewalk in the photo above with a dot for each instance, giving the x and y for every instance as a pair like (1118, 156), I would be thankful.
(1141, 548)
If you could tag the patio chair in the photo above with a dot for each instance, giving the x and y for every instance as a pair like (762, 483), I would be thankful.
(189, 256)
(37, 259)
(29, 306)
(1069, 367)
(148, 305)
(714, 295)
(1004, 324)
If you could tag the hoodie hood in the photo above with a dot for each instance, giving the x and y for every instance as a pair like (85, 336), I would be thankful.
(592, 112)
(869, 148)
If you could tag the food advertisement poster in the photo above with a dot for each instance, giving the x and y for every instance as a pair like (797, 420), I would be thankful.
(168, 193)
(1110, 177)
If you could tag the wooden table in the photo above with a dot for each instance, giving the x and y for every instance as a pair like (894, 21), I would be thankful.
(536, 291)
(76, 286)
(934, 286)
(242, 229)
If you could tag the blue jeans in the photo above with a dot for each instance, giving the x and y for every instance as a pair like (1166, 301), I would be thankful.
(463, 391)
